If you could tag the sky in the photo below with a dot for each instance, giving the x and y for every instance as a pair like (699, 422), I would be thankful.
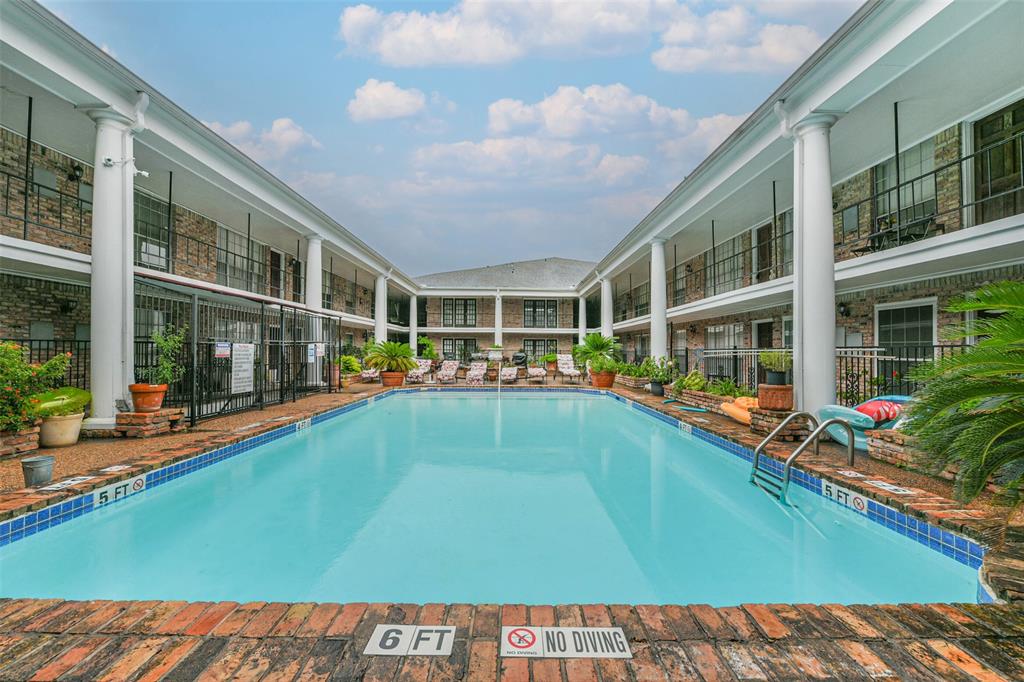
(458, 134)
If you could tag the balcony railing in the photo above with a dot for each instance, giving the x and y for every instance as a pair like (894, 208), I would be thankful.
(634, 303)
(39, 351)
(934, 203)
(52, 216)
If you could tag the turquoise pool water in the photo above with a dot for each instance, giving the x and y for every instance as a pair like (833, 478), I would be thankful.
(476, 498)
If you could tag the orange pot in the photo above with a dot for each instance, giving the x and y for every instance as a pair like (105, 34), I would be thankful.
(602, 379)
(392, 378)
(147, 397)
(552, 366)
(773, 397)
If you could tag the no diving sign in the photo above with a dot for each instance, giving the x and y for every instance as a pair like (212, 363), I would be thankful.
(545, 642)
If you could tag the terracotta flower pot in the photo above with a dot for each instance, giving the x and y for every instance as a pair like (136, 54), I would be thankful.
(60, 432)
(552, 366)
(392, 378)
(602, 379)
(148, 397)
(774, 397)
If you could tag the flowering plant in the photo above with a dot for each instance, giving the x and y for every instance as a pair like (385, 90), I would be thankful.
(19, 380)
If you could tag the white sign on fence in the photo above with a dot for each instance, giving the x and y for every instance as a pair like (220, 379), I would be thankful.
(242, 357)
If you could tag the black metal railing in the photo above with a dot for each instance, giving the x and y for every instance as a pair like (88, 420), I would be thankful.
(933, 203)
(64, 219)
(634, 303)
(40, 351)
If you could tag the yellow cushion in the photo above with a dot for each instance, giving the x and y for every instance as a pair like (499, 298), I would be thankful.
(746, 403)
(736, 411)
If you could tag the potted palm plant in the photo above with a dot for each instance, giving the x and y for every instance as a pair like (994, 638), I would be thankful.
(62, 411)
(775, 393)
(149, 397)
(393, 359)
(601, 355)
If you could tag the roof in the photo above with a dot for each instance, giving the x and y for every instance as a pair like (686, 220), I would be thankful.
(544, 273)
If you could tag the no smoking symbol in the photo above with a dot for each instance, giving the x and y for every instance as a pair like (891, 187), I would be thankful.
(522, 638)
(858, 503)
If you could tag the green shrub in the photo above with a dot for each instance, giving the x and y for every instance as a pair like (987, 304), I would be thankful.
(600, 364)
(19, 380)
(429, 349)
(775, 360)
(62, 402)
(168, 369)
(664, 371)
(549, 357)
(595, 346)
(348, 364)
(694, 381)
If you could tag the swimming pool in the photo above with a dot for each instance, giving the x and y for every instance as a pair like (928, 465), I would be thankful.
(449, 497)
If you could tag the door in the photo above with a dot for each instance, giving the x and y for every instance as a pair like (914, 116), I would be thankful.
(276, 273)
(763, 237)
(764, 334)
(998, 184)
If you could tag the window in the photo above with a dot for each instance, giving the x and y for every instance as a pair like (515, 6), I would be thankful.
(534, 348)
(151, 233)
(233, 263)
(398, 309)
(851, 220)
(82, 332)
(540, 313)
(787, 242)
(328, 290)
(916, 197)
(726, 266)
(721, 337)
(297, 281)
(787, 332)
(458, 312)
(85, 192)
(421, 311)
(40, 330)
(998, 178)
(911, 326)
(276, 274)
(45, 182)
(457, 349)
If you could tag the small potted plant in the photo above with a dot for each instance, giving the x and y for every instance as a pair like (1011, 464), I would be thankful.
(62, 411)
(492, 370)
(149, 397)
(392, 359)
(775, 393)
(429, 350)
(662, 372)
(344, 367)
(600, 354)
(550, 361)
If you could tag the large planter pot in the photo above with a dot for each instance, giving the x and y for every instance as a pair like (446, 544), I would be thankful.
(657, 388)
(775, 397)
(392, 378)
(635, 383)
(148, 397)
(335, 375)
(346, 380)
(60, 432)
(775, 378)
(552, 366)
(492, 374)
(602, 379)
(37, 470)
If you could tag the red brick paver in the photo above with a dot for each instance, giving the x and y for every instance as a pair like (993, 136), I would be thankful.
(277, 641)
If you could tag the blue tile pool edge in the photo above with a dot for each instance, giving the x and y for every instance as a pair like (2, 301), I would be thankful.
(949, 544)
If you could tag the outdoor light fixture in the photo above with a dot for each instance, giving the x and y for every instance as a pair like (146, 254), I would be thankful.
(67, 306)
(692, 329)
(844, 310)
(75, 173)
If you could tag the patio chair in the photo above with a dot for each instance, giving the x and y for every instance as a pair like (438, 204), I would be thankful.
(418, 375)
(883, 412)
(476, 373)
(567, 367)
(446, 373)
(537, 374)
(509, 375)
(369, 375)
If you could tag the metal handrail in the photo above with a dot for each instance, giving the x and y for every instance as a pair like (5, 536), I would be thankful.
(815, 435)
(778, 429)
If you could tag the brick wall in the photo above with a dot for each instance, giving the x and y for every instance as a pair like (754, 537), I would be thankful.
(26, 300)
(195, 239)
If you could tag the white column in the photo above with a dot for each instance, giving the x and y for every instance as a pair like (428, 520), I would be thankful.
(413, 321)
(497, 320)
(606, 308)
(314, 273)
(583, 318)
(659, 301)
(112, 356)
(380, 310)
(814, 300)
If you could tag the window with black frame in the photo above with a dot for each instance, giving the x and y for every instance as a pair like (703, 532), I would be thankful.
(535, 348)
(151, 232)
(540, 313)
(906, 334)
(457, 349)
(458, 312)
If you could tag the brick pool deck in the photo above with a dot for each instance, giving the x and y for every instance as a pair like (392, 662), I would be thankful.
(51, 639)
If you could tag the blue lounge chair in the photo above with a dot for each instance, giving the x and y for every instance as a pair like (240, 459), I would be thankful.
(859, 421)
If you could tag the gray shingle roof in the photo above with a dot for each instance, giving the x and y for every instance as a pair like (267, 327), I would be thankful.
(544, 273)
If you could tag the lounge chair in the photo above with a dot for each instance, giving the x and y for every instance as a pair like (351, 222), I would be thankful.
(369, 375)
(446, 373)
(739, 409)
(883, 412)
(509, 375)
(537, 374)
(419, 374)
(567, 367)
(476, 373)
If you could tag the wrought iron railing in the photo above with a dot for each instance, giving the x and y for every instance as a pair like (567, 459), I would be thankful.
(40, 351)
(46, 214)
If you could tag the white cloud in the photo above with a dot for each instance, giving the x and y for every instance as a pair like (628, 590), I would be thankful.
(571, 112)
(284, 137)
(379, 100)
(708, 133)
(614, 169)
(481, 32)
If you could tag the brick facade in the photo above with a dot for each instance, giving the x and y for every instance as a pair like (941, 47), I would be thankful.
(27, 299)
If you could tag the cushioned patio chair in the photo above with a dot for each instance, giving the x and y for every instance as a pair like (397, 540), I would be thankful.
(446, 373)
(419, 375)
(537, 374)
(567, 367)
(883, 412)
(476, 373)
(739, 409)
(369, 375)
(509, 375)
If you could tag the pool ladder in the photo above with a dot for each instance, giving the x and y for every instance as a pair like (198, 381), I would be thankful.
(777, 486)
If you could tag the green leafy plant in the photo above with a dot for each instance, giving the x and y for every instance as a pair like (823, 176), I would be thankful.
(724, 387)
(389, 356)
(19, 380)
(168, 368)
(599, 364)
(348, 364)
(595, 346)
(351, 349)
(775, 360)
(429, 348)
(548, 357)
(636, 371)
(694, 381)
(969, 412)
(62, 402)
(664, 371)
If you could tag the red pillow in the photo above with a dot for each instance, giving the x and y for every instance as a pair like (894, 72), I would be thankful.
(880, 410)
